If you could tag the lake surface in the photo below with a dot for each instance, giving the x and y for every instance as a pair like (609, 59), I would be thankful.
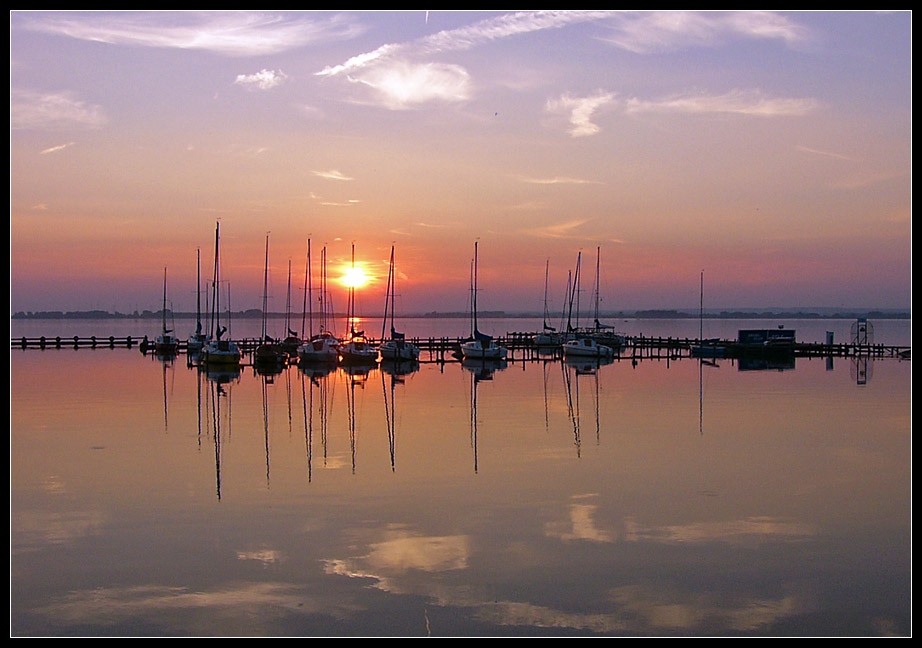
(658, 498)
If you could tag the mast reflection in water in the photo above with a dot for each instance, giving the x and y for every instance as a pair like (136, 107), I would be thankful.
(458, 499)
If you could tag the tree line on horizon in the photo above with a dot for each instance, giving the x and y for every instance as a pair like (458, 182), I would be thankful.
(636, 314)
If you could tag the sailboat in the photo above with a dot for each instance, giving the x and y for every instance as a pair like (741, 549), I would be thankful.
(292, 341)
(269, 355)
(219, 353)
(549, 336)
(705, 348)
(480, 345)
(582, 343)
(357, 350)
(395, 347)
(166, 343)
(196, 341)
(322, 348)
(603, 333)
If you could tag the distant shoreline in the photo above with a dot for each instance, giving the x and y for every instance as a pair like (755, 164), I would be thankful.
(824, 313)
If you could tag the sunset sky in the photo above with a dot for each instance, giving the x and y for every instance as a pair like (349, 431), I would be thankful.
(770, 150)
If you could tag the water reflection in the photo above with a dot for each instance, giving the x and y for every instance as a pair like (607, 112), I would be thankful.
(460, 499)
(573, 371)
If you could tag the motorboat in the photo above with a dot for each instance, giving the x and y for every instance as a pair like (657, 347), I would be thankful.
(586, 347)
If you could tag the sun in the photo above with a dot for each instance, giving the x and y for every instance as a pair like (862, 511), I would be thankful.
(354, 277)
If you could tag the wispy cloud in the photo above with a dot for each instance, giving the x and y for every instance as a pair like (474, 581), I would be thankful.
(556, 180)
(580, 111)
(660, 31)
(434, 225)
(400, 80)
(55, 149)
(332, 174)
(741, 102)
(572, 230)
(566, 230)
(35, 110)
(464, 38)
(813, 151)
(234, 33)
(262, 80)
(560, 230)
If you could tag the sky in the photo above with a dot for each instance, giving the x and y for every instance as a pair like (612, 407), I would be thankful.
(769, 153)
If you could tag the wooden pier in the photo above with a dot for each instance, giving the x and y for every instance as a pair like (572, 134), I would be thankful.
(77, 342)
(521, 346)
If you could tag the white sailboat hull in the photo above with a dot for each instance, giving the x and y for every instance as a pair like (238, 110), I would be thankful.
(398, 350)
(320, 349)
(477, 350)
(358, 352)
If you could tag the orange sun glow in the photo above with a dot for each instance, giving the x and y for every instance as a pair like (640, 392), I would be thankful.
(354, 277)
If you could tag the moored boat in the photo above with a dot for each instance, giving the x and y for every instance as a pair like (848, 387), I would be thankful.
(269, 355)
(323, 347)
(166, 343)
(219, 353)
(480, 346)
(197, 340)
(356, 349)
(396, 346)
(586, 347)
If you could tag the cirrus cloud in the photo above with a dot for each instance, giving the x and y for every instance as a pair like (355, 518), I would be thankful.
(659, 31)
(741, 102)
(53, 111)
(233, 33)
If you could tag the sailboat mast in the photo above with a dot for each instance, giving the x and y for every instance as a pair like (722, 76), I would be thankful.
(597, 261)
(307, 288)
(574, 295)
(215, 296)
(387, 297)
(265, 289)
(393, 287)
(547, 265)
(701, 310)
(576, 281)
(323, 289)
(568, 303)
(351, 308)
(288, 303)
(164, 301)
(474, 296)
(198, 290)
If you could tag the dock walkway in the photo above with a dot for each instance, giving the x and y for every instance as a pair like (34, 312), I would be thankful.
(520, 345)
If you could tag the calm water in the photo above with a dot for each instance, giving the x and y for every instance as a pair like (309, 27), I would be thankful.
(662, 498)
